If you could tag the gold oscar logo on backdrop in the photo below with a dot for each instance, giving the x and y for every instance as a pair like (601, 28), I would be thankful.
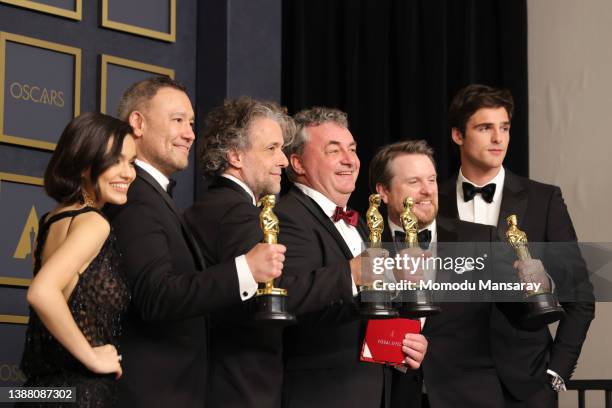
(11, 372)
(28, 236)
(37, 94)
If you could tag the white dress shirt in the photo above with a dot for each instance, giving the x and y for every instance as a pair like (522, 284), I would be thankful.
(477, 209)
(348, 232)
(156, 174)
(246, 283)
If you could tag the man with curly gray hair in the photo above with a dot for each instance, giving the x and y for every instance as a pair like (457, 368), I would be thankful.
(241, 152)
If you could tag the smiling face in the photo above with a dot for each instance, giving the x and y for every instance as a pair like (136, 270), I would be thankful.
(485, 142)
(114, 182)
(164, 130)
(412, 175)
(263, 162)
(329, 162)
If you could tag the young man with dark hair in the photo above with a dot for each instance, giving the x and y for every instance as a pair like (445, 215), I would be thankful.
(532, 366)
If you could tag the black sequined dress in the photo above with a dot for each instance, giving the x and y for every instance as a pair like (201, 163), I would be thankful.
(97, 303)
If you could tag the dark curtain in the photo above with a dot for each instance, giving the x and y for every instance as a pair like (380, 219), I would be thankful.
(394, 66)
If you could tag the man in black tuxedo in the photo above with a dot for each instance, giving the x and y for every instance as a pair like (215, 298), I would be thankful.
(531, 363)
(322, 269)
(164, 342)
(241, 153)
(459, 369)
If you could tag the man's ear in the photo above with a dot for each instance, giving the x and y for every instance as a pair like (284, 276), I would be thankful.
(457, 136)
(235, 158)
(384, 193)
(296, 164)
(137, 121)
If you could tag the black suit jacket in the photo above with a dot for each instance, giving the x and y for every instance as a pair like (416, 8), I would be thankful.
(322, 351)
(458, 369)
(164, 341)
(246, 368)
(522, 356)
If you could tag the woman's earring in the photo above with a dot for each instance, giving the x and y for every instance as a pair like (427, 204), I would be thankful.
(87, 199)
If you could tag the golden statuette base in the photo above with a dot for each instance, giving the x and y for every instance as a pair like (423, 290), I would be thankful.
(376, 304)
(542, 307)
(272, 291)
(270, 303)
(416, 303)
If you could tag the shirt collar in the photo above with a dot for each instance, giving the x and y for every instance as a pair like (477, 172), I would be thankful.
(327, 205)
(498, 180)
(241, 184)
(156, 174)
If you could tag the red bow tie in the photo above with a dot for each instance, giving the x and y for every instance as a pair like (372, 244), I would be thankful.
(351, 217)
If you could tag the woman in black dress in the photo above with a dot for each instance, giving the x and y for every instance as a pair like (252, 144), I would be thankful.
(77, 295)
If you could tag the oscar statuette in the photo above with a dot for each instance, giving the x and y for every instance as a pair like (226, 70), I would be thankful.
(416, 302)
(542, 306)
(375, 304)
(271, 302)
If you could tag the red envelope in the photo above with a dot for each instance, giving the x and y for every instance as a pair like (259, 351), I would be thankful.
(383, 340)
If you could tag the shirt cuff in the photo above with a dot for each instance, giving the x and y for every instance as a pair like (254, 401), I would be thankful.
(246, 282)
(556, 382)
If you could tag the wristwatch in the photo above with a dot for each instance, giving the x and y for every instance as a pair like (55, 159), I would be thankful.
(556, 382)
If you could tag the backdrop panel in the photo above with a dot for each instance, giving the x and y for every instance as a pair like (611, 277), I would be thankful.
(118, 74)
(40, 91)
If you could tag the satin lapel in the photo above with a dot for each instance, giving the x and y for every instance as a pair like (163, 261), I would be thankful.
(318, 213)
(514, 201)
(220, 182)
(447, 198)
(445, 234)
(195, 250)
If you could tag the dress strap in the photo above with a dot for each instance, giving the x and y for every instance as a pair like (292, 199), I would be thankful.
(71, 213)
(43, 226)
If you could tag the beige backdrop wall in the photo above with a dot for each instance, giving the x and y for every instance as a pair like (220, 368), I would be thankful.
(570, 114)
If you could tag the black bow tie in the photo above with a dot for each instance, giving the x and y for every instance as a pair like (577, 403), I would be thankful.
(424, 237)
(171, 186)
(487, 192)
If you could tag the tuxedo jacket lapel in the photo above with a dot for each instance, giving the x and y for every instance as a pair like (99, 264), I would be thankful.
(447, 198)
(220, 182)
(446, 233)
(195, 250)
(321, 217)
(514, 201)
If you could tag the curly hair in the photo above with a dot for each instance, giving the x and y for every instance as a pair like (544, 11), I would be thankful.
(227, 127)
(314, 116)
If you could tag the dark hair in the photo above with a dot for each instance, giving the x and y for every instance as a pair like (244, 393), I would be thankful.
(227, 127)
(141, 92)
(379, 166)
(83, 146)
(314, 116)
(473, 97)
